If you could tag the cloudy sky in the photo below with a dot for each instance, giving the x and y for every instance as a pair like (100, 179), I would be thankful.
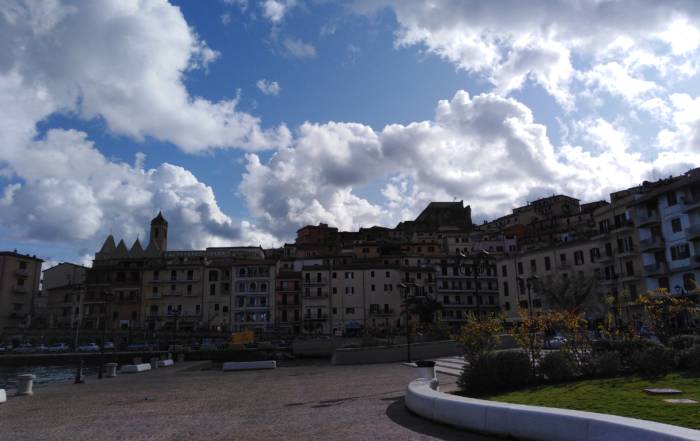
(245, 119)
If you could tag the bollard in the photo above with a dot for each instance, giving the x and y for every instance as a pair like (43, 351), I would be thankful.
(25, 384)
(137, 360)
(111, 370)
(79, 373)
(154, 363)
(181, 357)
(426, 369)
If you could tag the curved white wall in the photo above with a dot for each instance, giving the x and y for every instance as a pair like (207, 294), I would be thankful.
(534, 422)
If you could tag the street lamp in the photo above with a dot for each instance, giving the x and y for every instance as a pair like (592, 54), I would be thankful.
(107, 299)
(479, 263)
(406, 290)
(529, 281)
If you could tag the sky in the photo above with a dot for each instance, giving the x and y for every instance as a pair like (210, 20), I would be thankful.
(244, 120)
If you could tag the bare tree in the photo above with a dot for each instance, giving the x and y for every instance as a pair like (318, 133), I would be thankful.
(574, 293)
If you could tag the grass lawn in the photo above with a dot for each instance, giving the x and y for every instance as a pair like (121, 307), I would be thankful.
(618, 396)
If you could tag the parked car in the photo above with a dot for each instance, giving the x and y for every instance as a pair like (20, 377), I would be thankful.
(138, 347)
(59, 347)
(89, 347)
(4, 349)
(555, 342)
(108, 346)
(23, 349)
(41, 348)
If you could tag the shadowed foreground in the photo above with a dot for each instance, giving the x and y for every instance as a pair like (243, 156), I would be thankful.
(310, 402)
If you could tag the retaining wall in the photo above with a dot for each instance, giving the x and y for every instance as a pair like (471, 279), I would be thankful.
(533, 422)
(389, 354)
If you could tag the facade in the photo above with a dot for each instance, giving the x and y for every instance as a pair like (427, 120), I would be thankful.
(254, 295)
(288, 302)
(64, 287)
(19, 285)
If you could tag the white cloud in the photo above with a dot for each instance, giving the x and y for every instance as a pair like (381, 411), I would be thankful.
(487, 150)
(299, 49)
(69, 192)
(81, 59)
(510, 42)
(275, 10)
(226, 18)
(268, 87)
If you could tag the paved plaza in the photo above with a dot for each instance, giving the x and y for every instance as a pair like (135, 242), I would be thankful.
(303, 402)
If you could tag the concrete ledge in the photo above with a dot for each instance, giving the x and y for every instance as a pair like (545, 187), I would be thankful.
(3, 396)
(534, 422)
(133, 368)
(248, 365)
(391, 354)
(165, 363)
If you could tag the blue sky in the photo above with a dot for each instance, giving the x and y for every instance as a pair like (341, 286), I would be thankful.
(379, 106)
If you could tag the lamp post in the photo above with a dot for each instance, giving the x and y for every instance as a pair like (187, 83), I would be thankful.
(406, 289)
(108, 298)
(479, 261)
(528, 286)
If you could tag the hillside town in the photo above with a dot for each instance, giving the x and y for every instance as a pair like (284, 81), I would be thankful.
(347, 283)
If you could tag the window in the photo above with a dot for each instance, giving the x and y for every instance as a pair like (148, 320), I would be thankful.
(190, 275)
(629, 267)
(335, 290)
(349, 275)
(536, 303)
(504, 271)
(387, 274)
(335, 311)
(371, 273)
(578, 257)
(22, 265)
(595, 254)
(676, 225)
(334, 275)
(212, 289)
(562, 259)
(533, 265)
(156, 275)
(349, 310)
(20, 282)
(520, 267)
(349, 290)
(155, 291)
(216, 306)
(523, 304)
(679, 252)
(371, 288)
(506, 306)
(671, 198)
(505, 289)
(547, 263)
(173, 275)
(213, 276)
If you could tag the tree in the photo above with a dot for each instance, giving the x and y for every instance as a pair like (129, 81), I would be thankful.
(664, 312)
(423, 306)
(572, 294)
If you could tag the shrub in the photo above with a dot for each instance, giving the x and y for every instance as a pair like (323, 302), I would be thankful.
(680, 342)
(496, 372)
(689, 359)
(557, 366)
(656, 360)
(607, 364)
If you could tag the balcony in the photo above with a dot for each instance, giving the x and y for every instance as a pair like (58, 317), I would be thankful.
(628, 277)
(382, 313)
(689, 204)
(22, 272)
(315, 282)
(19, 290)
(655, 269)
(315, 317)
(651, 245)
(623, 227)
(647, 220)
(563, 266)
(693, 233)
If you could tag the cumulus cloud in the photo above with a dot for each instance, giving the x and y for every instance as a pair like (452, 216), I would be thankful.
(487, 150)
(509, 42)
(69, 192)
(298, 49)
(80, 58)
(268, 87)
(275, 10)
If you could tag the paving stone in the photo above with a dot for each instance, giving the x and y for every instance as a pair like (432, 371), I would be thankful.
(680, 401)
(662, 391)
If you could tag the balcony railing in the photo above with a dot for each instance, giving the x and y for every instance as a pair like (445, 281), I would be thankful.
(690, 203)
(381, 313)
(654, 243)
(692, 233)
(19, 289)
(323, 295)
(22, 272)
(655, 268)
(648, 219)
(315, 317)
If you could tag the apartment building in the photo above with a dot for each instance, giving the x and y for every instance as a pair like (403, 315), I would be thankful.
(253, 306)
(19, 283)
(288, 301)
(667, 218)
(64, 285)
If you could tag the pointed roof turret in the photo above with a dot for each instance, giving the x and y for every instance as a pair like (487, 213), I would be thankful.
(121, 248)
(136, 249)
(153, 249)
(108, 246)
(159, 220)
